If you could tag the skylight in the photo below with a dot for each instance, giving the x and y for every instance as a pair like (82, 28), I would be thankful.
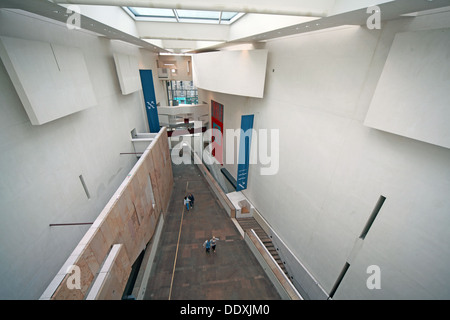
(179, 15)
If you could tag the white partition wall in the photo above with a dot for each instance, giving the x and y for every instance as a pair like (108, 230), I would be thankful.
(127, 68)
(411, 98)
(52, 81)
(234, 72)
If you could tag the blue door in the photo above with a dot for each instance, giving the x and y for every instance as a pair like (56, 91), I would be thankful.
(150, 100)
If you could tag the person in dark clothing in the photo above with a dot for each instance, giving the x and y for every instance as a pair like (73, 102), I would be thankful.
(191, 199)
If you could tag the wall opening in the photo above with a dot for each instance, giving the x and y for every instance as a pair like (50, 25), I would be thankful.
(83, 183)
(150, 190)
(339, 279)
(372, 217)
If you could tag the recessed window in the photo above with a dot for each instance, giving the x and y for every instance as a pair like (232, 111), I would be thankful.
(182, 92)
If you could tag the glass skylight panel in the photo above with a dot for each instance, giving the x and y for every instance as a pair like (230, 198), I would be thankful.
(152, 12)
(181, 15)
(196, 14)
(228, 15)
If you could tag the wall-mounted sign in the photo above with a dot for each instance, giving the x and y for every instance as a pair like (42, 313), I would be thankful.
(217, 123)
(244, 151)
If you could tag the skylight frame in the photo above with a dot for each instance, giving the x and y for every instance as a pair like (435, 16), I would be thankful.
(180, 19)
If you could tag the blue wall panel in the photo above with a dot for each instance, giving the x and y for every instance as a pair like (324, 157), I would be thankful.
(150, 100)
(244, 151)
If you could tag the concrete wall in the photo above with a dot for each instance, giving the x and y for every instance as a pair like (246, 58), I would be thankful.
(333, 168)
(40, 165)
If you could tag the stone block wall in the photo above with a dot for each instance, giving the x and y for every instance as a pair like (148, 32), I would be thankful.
(129, 219)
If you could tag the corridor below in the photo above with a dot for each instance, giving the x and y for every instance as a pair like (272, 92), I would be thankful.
(182, 270)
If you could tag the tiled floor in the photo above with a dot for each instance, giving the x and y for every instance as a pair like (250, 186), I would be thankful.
(231, 273)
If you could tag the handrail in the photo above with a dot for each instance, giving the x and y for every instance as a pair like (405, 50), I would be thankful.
(299, 262)
(271, 232)
(285, 282)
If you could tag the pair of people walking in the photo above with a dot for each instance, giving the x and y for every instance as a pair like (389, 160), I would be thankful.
(189, 201)
(210, 244)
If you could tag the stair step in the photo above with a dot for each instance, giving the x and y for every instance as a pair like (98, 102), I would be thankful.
(251, 223)
(249, 226)
(262, 235)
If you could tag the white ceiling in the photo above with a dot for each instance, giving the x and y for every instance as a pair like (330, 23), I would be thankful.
(263, 19)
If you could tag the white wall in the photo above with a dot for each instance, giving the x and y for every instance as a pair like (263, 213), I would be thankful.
(333, 168)
(251, 24)
(238, 72)
(52, 81)
(411, 98)
(40, 165)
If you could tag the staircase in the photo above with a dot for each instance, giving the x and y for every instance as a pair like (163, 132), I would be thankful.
(251, 223)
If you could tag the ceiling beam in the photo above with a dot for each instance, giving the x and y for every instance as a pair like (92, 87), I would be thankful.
(59, 13)
(182, 31)
(388, 11)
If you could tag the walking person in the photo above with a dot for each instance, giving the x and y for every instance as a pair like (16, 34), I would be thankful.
(207, 245)
(191, 199)
(186, 203)
(213, 243)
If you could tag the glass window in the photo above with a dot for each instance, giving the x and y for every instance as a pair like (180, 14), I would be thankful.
(182, 92)
(152, 12)
(181, 15)
(194, 14)
(228, 15)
